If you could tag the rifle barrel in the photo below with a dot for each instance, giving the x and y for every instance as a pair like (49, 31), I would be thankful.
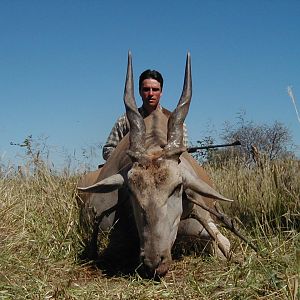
(194, 149)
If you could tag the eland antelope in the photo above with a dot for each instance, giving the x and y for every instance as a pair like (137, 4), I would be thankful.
(148, 188)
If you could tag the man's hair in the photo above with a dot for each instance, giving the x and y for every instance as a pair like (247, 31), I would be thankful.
(151, 74)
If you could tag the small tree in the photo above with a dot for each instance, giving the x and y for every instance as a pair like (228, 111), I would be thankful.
(205, 154)
(270, 141)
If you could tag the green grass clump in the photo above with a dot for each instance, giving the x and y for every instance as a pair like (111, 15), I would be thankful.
(40, 242)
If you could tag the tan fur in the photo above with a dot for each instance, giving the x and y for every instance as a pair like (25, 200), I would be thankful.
(152, 179)
(119, 159)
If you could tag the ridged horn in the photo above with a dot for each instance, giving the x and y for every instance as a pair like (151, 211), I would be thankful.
(175, 123)
(136, 122)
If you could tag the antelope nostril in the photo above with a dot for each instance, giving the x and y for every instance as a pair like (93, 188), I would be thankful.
(151, 262)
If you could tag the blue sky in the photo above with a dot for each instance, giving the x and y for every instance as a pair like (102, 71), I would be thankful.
(63, 63)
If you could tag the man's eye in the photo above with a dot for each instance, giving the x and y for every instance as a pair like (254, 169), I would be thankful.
(155, 89)
(146, 89)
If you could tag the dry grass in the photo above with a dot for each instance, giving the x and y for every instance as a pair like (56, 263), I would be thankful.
(40, 242)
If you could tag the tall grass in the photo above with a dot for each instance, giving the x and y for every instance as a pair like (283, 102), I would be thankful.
(268, 194)
(37, 233)
(40, 241)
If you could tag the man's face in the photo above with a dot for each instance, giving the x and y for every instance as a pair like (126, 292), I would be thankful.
(150, 92)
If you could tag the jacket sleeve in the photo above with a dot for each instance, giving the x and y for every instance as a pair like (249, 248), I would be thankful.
(119, 130)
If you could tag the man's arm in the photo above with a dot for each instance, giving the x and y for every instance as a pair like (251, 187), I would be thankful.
(119, 130)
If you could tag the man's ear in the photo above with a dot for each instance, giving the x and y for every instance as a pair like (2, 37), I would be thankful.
(161, 92)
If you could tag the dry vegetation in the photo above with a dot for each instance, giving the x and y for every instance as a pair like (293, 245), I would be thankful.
(40, 241)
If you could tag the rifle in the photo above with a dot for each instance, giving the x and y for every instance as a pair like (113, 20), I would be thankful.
(194, 149)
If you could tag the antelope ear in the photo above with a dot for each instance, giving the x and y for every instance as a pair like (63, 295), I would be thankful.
(106, 185)
(199, 186)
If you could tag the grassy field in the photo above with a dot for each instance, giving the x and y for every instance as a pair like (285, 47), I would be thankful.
(40, 241)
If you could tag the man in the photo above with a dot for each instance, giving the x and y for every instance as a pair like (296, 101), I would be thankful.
(150, 89)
